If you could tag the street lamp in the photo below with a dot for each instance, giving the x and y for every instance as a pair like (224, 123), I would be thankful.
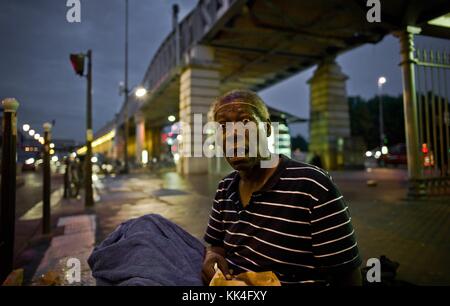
(26, 127)
(171, 118)
(31, 132)
(140, 92)
(381, 82)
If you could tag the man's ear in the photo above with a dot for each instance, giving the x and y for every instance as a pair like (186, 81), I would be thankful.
(268, 127)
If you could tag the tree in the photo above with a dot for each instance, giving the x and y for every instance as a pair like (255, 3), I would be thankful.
(298, 142)
(364, 119)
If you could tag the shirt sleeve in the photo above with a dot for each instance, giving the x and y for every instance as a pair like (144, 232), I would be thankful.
(214, 233)
(334, 243)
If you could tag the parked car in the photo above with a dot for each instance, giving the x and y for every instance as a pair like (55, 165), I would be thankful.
(396, 155)
(29, 165)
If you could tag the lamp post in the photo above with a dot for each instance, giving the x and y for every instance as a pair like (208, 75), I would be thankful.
(126, 92)
(381, 82)
(46, 223)
(77, 61)
(8, 187)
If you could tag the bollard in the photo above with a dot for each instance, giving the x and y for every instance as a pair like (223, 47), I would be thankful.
(8, 188)
(46, 222)
(66, 178)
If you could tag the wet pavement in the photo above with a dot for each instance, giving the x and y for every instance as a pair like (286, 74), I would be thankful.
(413, 233)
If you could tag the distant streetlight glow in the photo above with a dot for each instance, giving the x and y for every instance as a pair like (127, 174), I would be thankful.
(36, 136)
(144, 157)
(31, 132)
(381, 81)
(41, 140)
(384, 150)
(377, 154)
(52, 151)
(171, 118)
(94, 159)
(369, 154)
(26, 127)
(140, 92)
(54, 158)
(52, 145)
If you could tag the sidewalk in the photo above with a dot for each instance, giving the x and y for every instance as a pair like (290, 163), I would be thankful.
(415, 234)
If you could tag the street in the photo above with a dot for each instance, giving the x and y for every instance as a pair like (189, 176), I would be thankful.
(413, 233)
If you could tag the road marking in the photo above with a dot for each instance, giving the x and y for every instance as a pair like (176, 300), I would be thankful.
(35, 212)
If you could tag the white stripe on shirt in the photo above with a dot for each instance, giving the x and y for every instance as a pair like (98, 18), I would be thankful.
(331, 241)
(299, 168)
(268, 257)
(295, 192)
(247, 259)
(283, 205)
(213, 237)
(333, 227)
(335, 253)
(338, 198)
(271, 244)
(330, 215)
(277, 218)
(217, 230)
(303, 178)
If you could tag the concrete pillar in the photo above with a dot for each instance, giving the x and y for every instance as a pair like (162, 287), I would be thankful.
(140, 136)
(153, 142)
(199, 86)
(406, 38)
(329, 114)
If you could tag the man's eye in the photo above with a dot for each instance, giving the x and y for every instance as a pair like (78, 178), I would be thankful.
(245, 121)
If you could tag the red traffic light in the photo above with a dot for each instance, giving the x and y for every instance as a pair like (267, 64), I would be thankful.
(77, 61)
(424, 148)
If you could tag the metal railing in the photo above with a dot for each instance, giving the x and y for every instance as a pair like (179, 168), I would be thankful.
(433, 119)
(191, 30)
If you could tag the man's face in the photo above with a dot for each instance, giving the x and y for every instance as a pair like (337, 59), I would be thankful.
(233, 142)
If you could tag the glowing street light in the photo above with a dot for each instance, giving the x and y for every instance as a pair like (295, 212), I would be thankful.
(52, 145)
(31, 132)
(140, 92)
(171, 118)
(381, 81)
(26, 127)
(36, 136)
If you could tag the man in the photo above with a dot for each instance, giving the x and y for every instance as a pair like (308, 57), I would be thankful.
(289, 218)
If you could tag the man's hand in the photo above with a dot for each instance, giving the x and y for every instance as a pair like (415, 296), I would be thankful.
(214, 255)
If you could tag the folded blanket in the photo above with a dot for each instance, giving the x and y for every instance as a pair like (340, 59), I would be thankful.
(148, 251)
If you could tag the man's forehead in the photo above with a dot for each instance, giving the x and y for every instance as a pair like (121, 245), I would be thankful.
(236, 106)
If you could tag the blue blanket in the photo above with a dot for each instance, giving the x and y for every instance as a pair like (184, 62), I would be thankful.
(148, 251)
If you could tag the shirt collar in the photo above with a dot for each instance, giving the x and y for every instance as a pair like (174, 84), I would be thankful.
(232, 190)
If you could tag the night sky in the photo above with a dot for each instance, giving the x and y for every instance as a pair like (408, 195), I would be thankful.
(36, 41)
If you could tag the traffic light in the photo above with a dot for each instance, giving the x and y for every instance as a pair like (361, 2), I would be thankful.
(77, 61)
